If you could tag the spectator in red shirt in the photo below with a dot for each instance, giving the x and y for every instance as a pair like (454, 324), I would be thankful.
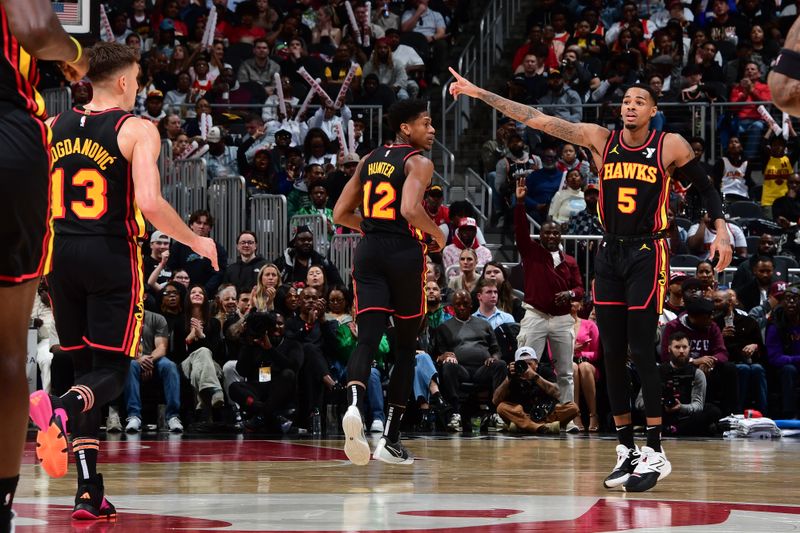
(750, 89)
(552, 283)
(434, 205)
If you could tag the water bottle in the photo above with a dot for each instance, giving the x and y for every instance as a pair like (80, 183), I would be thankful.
(316, 423)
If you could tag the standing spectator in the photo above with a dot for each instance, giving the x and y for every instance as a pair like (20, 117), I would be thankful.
(731, 173)
(702, 234)
(584, 366)
(300, 256)
(569, 201)
(434, 205)
(466, 349)
(157, 260)
(751, 126)
(561, 101)
(783, 349)
(777, 170)
(260, 68)
(153, 359)
(742, 338)
(487, 304)
(464, 237)
(756, 292)
(423, 20)
(552, 282)
(220, 158)
(786, 209)
(200, 271)
(528, 401)
(366, 27)
(244, 272)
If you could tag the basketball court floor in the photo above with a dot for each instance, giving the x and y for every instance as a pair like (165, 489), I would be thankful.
(488, 483)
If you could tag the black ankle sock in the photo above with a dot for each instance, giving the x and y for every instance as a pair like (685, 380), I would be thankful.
(86, 450)
(8, 486)
(356, 395)
(625, 435)
(437, 400)
(654, 437)
(393, 419)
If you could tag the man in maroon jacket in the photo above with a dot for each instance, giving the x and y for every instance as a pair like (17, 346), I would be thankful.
(552, 282)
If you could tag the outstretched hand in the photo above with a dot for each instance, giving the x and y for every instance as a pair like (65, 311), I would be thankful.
(462, 86)
(521, 190)
(721, 245)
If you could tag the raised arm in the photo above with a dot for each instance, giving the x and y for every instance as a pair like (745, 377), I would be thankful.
(591, 136)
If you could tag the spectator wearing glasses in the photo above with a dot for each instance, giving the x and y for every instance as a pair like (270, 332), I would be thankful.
(423, 20)
(244, 272)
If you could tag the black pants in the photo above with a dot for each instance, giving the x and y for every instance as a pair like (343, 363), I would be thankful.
(275, 394)
(313, 368)
(697, 424)
(453, 375)
(723, 387)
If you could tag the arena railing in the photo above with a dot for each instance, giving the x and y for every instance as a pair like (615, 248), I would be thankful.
(57, 100)
(448, 163)
(343, 248)
(476, 61)
(268, 221)
(318, 225)
(186, 187)
(480, 194)
(227, 201)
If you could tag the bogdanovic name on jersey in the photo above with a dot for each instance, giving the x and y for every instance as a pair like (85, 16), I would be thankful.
(86, 147)
(630, 171)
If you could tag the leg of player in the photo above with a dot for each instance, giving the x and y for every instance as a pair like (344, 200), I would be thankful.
(653, 463)
(371, 327)
(14, 319)
(611, 322)
(390, 449)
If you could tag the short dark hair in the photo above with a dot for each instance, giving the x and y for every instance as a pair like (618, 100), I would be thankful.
(763, 259)
(106, 59)
(678, 336)
(698, 140)
(246, 232)
(647, 88)
(261, 40)
(485, 282)
(405, 111)
(317, 184)
(201, 213)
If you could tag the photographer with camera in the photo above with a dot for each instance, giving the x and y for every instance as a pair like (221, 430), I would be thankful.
(528, 398)
(269, 363)
(684, 393)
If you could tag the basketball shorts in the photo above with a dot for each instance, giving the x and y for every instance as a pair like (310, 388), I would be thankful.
(24, 187)
(389, 275)
(97, 290)
(633, 273)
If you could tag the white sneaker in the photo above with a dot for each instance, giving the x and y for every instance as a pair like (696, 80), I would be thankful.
(356, 447)
(113, 423)
(454, 424)
(174, 425)
(393, 453)
(497, 423)
(377, 426)
(217, 400)
(653, 466)
(134, 425)
(627, 461)
(572, 427)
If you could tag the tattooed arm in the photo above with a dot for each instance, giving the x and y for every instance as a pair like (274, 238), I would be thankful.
(591, 136)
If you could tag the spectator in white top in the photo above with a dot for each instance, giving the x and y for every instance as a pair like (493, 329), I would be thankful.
(630, 17)
(389, 73)
(568, 202)
(272, 105)
(365, 26)
(701, 235)
(487, 304)
(465, 236)
(402, 54)
(429, 23)
(180, 95)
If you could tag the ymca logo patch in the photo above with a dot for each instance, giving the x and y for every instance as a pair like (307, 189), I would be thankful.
(648, 153)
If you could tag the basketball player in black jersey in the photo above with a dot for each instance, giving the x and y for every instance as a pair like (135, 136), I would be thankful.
(389, 269)
(30, 31)
(105, 181)
(632, 265)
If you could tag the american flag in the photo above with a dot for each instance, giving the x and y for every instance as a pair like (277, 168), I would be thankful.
(67, 12)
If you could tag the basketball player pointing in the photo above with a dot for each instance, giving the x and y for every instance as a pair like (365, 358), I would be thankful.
(389, 269)
(631, 269)
(105, 178)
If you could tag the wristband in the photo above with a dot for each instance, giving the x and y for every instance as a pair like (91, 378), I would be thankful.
(788, 64)
(80, 50)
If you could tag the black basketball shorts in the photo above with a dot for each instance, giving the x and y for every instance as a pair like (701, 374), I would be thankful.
(24, 188)
(632, 273)
(97, 290)
(389, 275)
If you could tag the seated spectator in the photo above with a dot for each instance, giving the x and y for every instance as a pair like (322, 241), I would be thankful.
(318, 196)
(541, 185)
(364, 144)
(243, 273)
(587, 222)
(630, 18)
(777, 169)
(466, 349)
(383, 17)
(373, 93)
(533, 78)
(507, 301)
(576, 73)
(300, 256)
(43, 322)
(756, 291)
(200, 270)
(466, 277)
(390, 74)
(516, 163)
(152, 360)
(403, 54)
(706, 351)
(750, 124)
(744, 272)
(487, 305)
(436, 314)
(674, 303)
(220, 158)
(181, 94)
(743, 341)
(226, 89)
(325, 36)
(783, 349)
(264, 293)
(702, 234)
(585, 366)
(261, 176)
(686, 411)
(561, 100)
(568, 202)
(433, 200)
(707, 276)
(337, 179)
(336, 71)
(458, 210)
(154, 105)
(367, 29)
(272, 105)
(260, 68)
(268, 362)
(569, 160)
(786, 209)
(529, 401)
(297, 198)
(419, 18)
(731, 175)
(155, 264)
(317, 148)
(316, 280)
(465, 237)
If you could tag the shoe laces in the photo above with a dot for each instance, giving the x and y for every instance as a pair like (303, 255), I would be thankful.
(649, 462)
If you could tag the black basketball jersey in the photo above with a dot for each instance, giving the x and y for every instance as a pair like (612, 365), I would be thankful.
(634, 187)
(18, 74)
(382, 178)
(92, 190)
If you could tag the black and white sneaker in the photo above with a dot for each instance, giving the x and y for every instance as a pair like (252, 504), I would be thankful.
(653, 466)
(356, 447)
(627, 459)
(392, 452)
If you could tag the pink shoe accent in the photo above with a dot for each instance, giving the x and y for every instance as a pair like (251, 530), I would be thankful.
(41, 409)
(83, 514)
